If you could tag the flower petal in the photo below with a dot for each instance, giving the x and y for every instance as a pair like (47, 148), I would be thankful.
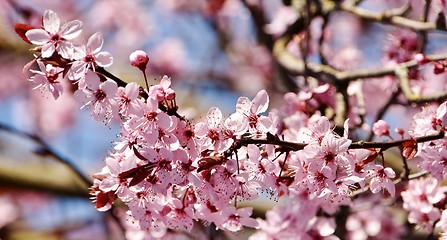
(71, 29)
(77, 70)
(95, 43)
(260, 103)
(48, 50)
(109, 87)
(65, 49)
(104, 59)
(51, 22)
(37, 36)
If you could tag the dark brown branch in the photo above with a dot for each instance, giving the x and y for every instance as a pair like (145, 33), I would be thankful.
(292, 146)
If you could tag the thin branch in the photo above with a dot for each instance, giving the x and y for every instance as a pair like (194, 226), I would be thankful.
(392, 16)
(424, 35)
(48, 150)
(292, 146)
(330, 75)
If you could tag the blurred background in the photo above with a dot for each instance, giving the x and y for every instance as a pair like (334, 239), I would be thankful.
(214, 51)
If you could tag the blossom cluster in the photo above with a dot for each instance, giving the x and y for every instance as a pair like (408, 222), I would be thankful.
(171, 172)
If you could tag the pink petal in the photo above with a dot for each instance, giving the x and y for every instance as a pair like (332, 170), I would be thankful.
(77, 70)
(243, 105)
(132, 90)
(39, 80)
(104, 59)
(48, 50)
(249, 222)
(214, 117)
(165, 82)
(71, 29)
(37, 36)
(51, 22)
(92, 81)
(95, 43)
(375, 185)
(389, 172)
(79, 51)
(260, 102)
(65, 49)
(109, 87)
(390, 188)
(56, 89)
(440, 112)
(42, 67)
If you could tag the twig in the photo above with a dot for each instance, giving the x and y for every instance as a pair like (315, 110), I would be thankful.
(292, 146)
(46, 148)
(390, 17)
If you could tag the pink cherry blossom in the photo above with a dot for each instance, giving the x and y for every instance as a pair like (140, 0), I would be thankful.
(99, 97)
(236, 219)
(382, 178)
(163, 90)
(376, 222)
(251, 109)
(47, 78)
(89, 56)
(210, 134)
(126, 96)
(147, 117)
(54, 38)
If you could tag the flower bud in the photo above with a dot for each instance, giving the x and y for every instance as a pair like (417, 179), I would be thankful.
(139, 59)
(421, 58)
(381, 128)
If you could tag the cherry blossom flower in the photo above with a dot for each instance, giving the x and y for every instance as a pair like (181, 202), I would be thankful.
(179, 216)
(375, 222)
(210, 134)
(424, 220)
(422, 194)
(125, 97)
(89, 56)
(47, 78)
(428, 120)
(235, 219)
(328, 153)
(251, 109)
(100, 97)
(420, 198)
(381, 178)
(163, 90)
(54, 38)
(147, 117)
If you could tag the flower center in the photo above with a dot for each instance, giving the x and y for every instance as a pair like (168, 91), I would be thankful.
(151, 117)
(100, 95)
(56, 38)
(89, 58)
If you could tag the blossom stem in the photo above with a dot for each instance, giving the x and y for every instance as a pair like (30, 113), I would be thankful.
(145, 80)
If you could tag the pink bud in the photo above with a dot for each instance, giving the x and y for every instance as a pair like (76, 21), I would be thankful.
(421, 58)
(381, 128)
(139, 59)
